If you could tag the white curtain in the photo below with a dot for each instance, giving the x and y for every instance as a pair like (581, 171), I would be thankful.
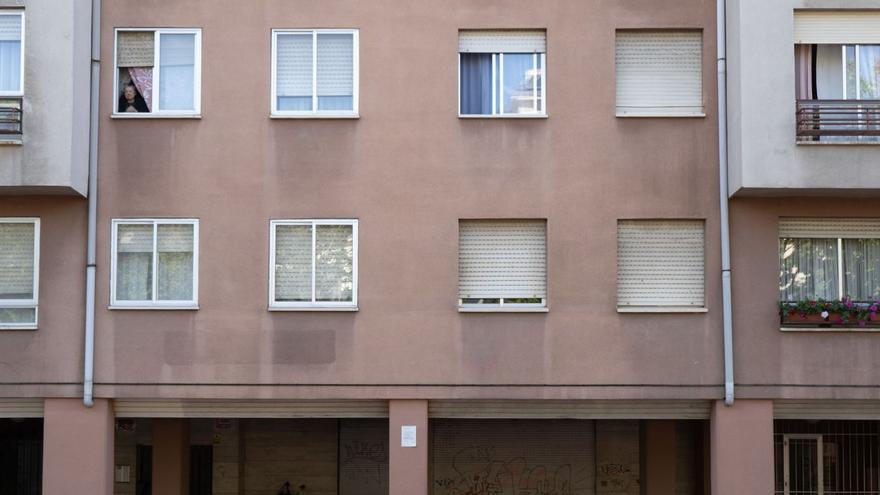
(808, 269)
(334, 263)
(134, 263)
(177, 72)
(869, 72)
(293, 263)
(175, 259)
(10, 52)
(862, 268)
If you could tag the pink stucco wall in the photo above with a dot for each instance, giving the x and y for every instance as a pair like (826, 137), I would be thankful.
(78, 447)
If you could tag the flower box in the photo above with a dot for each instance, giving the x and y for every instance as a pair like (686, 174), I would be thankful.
(834, 314)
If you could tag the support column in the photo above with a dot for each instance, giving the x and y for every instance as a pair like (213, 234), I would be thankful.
(408, 466)
(742, 447)
(171, 456)
(78, 447)
(660, 460)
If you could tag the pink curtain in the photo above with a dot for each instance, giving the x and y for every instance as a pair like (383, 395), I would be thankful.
(803, 70)
(142, 77)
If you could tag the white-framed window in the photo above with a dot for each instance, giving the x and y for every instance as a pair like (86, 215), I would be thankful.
(661, 266)
(157, 72)
(313, 264)
(502, 265)
(11, 52)
(502, 73)
(829, 259)
(314, 72)
(154, 264)
(659, 73)
(19, 272)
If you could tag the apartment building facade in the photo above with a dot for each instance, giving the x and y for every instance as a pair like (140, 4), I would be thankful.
(401, 248)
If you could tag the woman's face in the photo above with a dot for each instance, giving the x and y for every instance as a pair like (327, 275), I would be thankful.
(128, 93)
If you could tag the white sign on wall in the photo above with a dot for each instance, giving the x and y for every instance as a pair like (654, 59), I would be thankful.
(408, 436)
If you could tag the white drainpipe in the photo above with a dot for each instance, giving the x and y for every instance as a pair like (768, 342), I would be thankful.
(89, 352)
(727, 316)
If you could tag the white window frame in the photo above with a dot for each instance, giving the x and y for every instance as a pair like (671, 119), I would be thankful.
(314, 305)
(502, 306)
(155, 303)
(496, 81)
(156, 111)
(26, 303)
(20, 13)
(314, 112)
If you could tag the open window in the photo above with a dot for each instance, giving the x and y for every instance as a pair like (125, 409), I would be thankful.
(837, 75)
(158, 72)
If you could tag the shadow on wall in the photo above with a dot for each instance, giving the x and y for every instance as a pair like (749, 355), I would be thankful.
(503, 347)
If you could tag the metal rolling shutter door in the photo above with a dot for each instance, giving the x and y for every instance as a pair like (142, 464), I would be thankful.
(513, 456)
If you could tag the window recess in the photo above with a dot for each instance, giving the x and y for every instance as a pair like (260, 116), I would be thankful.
(157, 72)
(502, 73)
(502, 264)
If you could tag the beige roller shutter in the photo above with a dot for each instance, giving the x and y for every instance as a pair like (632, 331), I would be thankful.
(570, 409)
(21, 408)
(137, 408)
(17, 260)
(502, 41)
(829, 228)
(556, 456)
(502, 259)
(660, 264)
(659, 73)
(827, 410)
(135, 49)
(836, 27)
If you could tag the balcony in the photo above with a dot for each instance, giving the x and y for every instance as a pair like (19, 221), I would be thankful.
(10, 118)
(838, 120)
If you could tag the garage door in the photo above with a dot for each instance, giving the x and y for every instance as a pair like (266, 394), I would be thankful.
(512, 456)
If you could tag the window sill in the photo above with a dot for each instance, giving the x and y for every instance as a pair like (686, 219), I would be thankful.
(496, 309)
(152, 308)
(6, 141)
(837, 143)
(18, 328)
(330, 116)
(664, 115)
(854, 329)
(137, 116)
(314, 308)
(511, 116)
(655, 309)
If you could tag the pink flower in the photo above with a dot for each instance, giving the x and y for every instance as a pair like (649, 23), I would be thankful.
(824, 315)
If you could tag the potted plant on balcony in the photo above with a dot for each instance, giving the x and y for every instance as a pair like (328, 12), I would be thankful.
(820, 313)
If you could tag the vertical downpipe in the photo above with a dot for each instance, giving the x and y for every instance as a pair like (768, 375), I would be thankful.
(727, 316)
(89, 351)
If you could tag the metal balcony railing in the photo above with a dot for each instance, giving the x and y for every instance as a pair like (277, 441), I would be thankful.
(841, 118)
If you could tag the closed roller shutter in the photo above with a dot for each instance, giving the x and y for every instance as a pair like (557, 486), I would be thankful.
(335, 64)
(829, 228)
(827, 410)
(836, 27)
(21, 408)
(10, 27)
(659, 73)
(135, 49)
(513, 456)
(136, 408)
(502, 259)
(502, 41)
(570, 409)
(660, 264)
(294, 64)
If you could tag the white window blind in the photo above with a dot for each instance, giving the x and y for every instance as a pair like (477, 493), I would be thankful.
(503, 41)
(502, 259)
(659, 73)
(293, 263)
(16, 260)
(829, 228)
(335, 65)
(836, 27)
(294, 65)
(660, 263)
(10, 27)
